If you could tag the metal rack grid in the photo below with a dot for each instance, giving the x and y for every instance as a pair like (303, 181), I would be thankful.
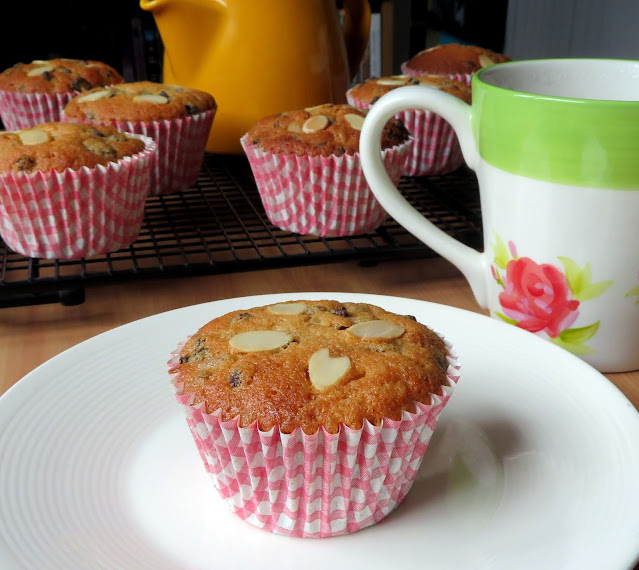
(219, 226)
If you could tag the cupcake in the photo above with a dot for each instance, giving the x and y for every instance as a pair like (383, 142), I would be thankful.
(178, 118)
(435, 148)
(307, 169)
(456, 61)
(36, 92)
(312, 417)
(71, 190)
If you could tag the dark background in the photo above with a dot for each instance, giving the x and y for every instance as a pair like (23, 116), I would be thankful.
(117, 32)
(120, 33)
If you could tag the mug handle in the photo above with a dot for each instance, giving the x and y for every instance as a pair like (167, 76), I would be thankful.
(470, 262)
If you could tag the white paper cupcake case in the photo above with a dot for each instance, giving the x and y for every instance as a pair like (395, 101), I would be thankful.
(319, 485)
(320, 196)
(76, 213)
(24, 110)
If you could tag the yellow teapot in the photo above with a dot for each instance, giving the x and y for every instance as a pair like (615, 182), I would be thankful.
(260, 57)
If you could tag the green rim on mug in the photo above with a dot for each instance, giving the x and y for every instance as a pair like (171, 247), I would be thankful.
(577, 142)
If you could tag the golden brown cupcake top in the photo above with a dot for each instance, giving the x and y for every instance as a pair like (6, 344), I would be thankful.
(454, 58)
(59, 75)
(139, 101)
(372, 89)
(312, 363)
(323, 130)
(58, 146)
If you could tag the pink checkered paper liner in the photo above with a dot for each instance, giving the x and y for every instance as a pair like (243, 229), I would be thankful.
(320, 196)
(463, 77)
(320, 485)
(24, 110)
(436, 149)
(181, 145)
(76, 213)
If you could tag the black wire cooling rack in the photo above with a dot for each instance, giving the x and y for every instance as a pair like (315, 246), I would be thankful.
(219, 226)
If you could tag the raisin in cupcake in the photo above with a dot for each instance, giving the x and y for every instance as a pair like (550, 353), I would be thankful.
(178, 118)
(71, 190)
(456, 61)
(435, 148)
(312, 417)
(307, 169)
(36, 92)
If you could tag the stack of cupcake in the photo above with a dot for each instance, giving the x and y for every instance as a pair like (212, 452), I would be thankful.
(436, 148)
(177, 118)
(448, 68)
(49, 168)
(306, 161)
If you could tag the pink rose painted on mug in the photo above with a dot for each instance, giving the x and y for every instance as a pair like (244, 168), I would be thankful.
(545, 299)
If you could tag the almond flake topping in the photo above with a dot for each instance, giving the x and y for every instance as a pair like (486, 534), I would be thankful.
(391, 81)
(94, 95)
(287, 308)
(33, 136)
(377, 329)
(39, 70)
(257, 341)
(159, 99)
(315, 124)
(429, 83)
(485, 61)
(355, 121)
(324, 371)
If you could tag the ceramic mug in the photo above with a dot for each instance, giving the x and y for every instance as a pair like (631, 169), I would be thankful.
(555, 146)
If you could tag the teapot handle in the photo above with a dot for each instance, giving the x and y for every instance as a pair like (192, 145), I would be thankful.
(357, 24)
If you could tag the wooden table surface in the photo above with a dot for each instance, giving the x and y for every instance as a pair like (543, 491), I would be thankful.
(31, 335)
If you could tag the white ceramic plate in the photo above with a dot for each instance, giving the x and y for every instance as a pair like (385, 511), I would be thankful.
(535, 463)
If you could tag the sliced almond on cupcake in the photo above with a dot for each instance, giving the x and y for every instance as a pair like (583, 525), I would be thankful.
(324, 370)
(376, 329)
(257, 341)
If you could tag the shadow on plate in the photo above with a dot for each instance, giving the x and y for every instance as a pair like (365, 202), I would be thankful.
(462, 474)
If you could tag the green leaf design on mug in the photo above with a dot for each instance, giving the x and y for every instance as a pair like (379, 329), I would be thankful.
(634, 292)
(579, 280)
(578, 349)
(574, 339)
(501, 253)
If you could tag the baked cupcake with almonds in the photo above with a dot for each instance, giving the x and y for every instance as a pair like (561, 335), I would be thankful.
(312, 417)
(36, 92)
(435, 148)
(453, 60)
(178, 118)
(307, 169)
(72, 190)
